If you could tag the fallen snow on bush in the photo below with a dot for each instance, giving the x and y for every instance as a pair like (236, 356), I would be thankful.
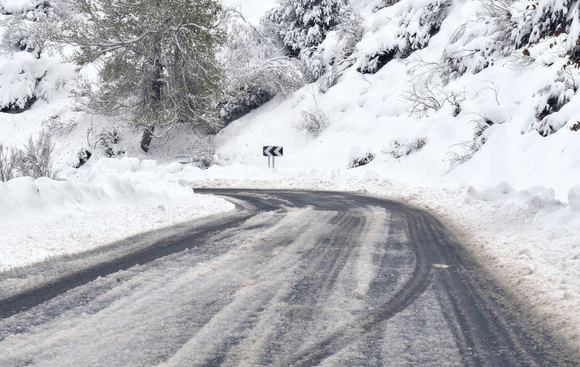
(24, 78)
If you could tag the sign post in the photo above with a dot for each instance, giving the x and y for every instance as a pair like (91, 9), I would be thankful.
(272, 151)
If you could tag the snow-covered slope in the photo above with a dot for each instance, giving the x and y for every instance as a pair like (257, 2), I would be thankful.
(510, 194)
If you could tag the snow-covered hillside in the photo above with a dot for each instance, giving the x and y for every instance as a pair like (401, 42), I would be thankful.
(459, 122)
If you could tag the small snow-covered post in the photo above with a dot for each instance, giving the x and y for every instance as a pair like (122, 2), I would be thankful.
(272, 151)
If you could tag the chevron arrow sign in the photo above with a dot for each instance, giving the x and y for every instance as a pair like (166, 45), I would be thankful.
(273, 151)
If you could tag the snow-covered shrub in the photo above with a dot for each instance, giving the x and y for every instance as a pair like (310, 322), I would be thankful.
(409, 26)
(36, 158)
(553, 97)
(455, 99)
(24, 79)
(331, 77)
(470, 147)
(109, 142)
(279, 75)
(255, 85)
(546, 18)
(467, 151)
(551, 18)
(479, 136)
(312, 122)
(423, 97)
(82, 157)
(7, 163)
(350, 31)
(347, 35)
(56, 125)
(477, 44)
(397, 149)
(239, 102)
(26, 72)
(493, 87)
(385, 4)
(361, 161)
(198, 149)
(426, 93)
(203, 153)
(28, 28)
(19, 78)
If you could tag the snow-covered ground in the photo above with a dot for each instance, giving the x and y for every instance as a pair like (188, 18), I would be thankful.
(44, 218)
(515, 205)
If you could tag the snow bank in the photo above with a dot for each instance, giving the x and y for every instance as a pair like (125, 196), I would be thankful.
(43, 218)
(532, 198)
(574, 197)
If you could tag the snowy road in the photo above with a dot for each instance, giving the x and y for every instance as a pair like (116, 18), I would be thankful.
(288, 279)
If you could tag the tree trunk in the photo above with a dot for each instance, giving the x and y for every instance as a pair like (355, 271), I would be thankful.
(146, 139)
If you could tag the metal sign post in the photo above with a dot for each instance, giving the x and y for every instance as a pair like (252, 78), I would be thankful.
(272, 151)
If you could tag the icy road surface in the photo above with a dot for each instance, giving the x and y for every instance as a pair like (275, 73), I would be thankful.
(288, 279)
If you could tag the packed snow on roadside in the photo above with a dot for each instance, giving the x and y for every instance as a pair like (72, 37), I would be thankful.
(509, 194)
(43, 218)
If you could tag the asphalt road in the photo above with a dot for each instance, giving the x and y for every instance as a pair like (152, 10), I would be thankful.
(288, 279)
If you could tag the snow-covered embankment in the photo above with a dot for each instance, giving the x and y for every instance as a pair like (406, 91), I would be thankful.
(115, 199)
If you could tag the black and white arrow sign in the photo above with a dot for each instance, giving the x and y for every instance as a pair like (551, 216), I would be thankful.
(273, 151)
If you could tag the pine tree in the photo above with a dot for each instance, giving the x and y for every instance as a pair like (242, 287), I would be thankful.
(303, 24)
(156, 59)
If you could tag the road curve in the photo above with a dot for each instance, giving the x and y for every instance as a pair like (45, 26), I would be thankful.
(289, 279)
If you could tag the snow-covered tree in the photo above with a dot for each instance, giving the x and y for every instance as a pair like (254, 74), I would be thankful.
(556, 22)
(342, 45)
(477, 44)
(303, 24)
(255, 67)
(303, 28)
(553, 98)
(410, 26)
(156, 58)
